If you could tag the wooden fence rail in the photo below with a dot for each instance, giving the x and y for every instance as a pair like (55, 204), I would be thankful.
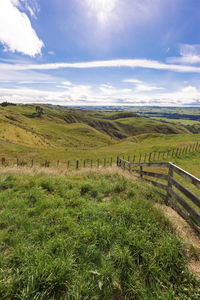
(187, 204)
(100, 162)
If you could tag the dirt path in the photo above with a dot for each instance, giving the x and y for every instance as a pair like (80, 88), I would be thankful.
(189, 237)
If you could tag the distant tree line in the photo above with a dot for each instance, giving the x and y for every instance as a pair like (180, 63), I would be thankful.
(4, 104)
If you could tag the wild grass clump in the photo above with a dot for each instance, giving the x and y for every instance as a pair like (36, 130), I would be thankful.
(90, 236)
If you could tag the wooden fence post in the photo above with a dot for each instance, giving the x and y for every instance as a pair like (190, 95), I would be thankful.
(149, 157)
(117, 161)
(31, 163)
(77, 164)
(3, 161)
(154, 155)
(141, 174)
(104, 162)
(111, 162)
(168, 153)
(158, 155)
(170, 175)
(97, 163)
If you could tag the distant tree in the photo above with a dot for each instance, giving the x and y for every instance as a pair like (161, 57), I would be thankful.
(39, 110)
(4, 104)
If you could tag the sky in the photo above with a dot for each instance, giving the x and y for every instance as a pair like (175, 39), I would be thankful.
(100, 52)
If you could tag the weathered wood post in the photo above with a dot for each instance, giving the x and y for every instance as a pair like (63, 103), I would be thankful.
(77, 164)
(170, 175)
(3, 161)
(163, 156)
(97, 163)
(141, 172)
(31, 163)
(158, 155)
(111, 162)
(150, 157)
(154, 155)
(104, 163)
(168, 152)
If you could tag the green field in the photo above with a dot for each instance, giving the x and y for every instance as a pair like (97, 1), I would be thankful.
(73, 133)
(89, 236)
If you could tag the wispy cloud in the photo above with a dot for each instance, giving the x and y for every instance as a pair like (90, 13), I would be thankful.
(16, 32)
(190, 54)
(141, 86)
(129, 63)
(87, 95)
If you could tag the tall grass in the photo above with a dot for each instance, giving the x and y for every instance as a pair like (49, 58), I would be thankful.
(90, 236)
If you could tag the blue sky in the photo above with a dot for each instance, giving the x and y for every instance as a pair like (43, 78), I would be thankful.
(100, 52)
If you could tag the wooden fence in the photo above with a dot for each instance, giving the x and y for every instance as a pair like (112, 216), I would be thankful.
(187, 204)
(103, 161)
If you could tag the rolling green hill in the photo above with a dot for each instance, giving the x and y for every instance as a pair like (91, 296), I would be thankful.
(72, 133)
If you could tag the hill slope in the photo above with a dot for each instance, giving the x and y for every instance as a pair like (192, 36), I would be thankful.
(91, 236)
(71, 128)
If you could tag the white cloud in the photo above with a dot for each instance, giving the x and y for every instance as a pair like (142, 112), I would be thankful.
(146, 88)
(51, 52)
(87, 95)
(128, 63)
(141, 86)
(132, 80)
(68, 83)
(16, 32)
(190, 54)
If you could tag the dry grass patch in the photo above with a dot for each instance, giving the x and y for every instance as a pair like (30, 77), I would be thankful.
(188, 235)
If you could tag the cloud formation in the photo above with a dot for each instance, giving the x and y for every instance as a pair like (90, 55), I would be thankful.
(16, 32)
(117, 63)
(103, 95)
(190, 54)
(141, 86)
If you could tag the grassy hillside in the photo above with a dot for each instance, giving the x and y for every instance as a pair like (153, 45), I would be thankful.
(91, 236)
(60, 133)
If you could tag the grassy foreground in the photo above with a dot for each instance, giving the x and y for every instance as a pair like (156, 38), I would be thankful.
(90, 236)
